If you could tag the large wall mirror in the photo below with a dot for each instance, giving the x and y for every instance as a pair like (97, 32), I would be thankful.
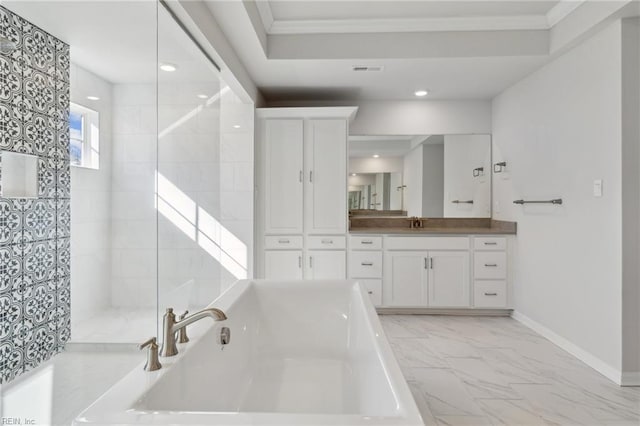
(420, 175)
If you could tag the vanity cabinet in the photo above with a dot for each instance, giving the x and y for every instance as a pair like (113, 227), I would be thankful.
(405, 278)
(326, 265)
(427, 278)
(283, 182)
(490, 272)
(326, 170)
(283, 264)
(302, 192)
(432, 271)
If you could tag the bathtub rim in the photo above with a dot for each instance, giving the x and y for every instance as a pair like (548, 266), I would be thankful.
(117, 407)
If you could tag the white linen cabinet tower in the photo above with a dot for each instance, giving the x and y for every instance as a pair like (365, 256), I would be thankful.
(302, 192)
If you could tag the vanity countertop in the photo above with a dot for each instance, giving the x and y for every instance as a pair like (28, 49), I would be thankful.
(435, 226)
(433, 230)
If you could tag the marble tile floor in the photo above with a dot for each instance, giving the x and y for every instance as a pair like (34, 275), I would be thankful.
(495, 371)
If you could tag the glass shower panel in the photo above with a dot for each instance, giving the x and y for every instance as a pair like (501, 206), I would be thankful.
(113, 232)
(188, 171)
(111, 78)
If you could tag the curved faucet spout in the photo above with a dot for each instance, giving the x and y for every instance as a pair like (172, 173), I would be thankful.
(214, 313)
(171, 326)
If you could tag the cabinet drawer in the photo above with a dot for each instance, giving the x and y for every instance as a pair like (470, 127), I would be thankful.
(426, 243)
(490, 264)
(374, 289)
(490, 243)
(366, 243)
(326, 243)
(283, 242)
(490, 294)
(365, 264)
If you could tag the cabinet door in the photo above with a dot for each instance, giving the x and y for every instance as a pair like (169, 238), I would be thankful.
(283, 264)
(283, 176)
(326, 176)
(449, 279)
(326, 265)
(405, 278)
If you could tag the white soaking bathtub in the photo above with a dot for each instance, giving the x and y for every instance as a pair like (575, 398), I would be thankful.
(301, 353)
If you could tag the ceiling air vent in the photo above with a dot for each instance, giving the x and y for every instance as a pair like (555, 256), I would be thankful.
(361, 68)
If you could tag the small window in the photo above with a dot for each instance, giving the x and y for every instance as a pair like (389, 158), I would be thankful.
(84, 137)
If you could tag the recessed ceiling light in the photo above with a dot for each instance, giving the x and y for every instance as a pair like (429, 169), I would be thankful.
(421, 93)
(203, 96)
(93, 98)
(353, 174)
(375, 156)
(168, 67)
(236, 126)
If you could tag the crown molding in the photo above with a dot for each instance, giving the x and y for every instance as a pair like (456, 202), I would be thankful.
(342, 26)
(561, 10)
(264, 10)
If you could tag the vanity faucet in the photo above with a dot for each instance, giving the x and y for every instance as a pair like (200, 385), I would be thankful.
(171, 327)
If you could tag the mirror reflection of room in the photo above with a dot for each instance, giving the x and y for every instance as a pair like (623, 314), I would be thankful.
(431, 176)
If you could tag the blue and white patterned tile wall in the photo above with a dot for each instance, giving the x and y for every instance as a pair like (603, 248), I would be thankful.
(35, 305)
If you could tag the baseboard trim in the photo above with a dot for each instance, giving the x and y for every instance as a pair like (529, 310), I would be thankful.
(444, 311)
(631, 378)
(592, 361)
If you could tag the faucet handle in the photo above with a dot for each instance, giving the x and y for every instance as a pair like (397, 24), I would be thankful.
(182, 333)
(153, 363)
(152, 341)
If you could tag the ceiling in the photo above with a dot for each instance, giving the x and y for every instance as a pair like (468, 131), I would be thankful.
(299, 51)
(121, 41)
(307, 10)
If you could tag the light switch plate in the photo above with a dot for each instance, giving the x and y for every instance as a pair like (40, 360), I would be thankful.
(597, 188)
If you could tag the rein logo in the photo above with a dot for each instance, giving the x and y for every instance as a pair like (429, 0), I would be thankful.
(16, 421)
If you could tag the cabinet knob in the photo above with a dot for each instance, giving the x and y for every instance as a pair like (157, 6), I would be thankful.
(490, 265)
(370, 292)
(490, 243)
(366, 263)
(491, 294)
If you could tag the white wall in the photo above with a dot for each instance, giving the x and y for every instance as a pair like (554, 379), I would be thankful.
(205, 194)
(237, 188)
(376, 165)
(631, 200)
(433, 180)
(558, 130)
(421, 117)
(412, 178)
(395, 195)
(91, 206)
(133, 212)
(462, 154)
